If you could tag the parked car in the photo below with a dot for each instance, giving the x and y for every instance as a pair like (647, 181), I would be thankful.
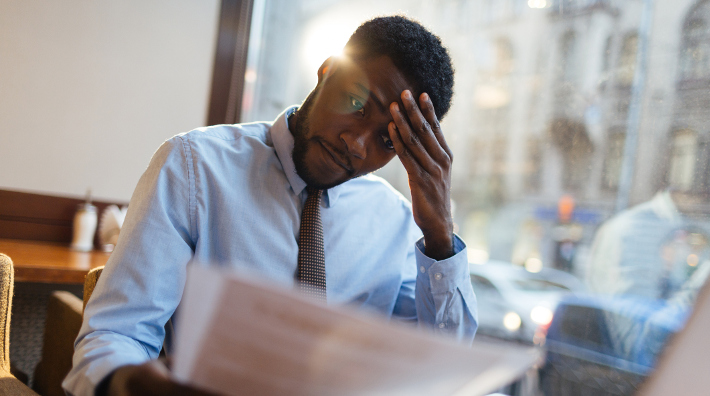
(513, 302)
(602, 345)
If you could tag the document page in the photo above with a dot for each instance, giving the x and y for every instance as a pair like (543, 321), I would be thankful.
(238, 337)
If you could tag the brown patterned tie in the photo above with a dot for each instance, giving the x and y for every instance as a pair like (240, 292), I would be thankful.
(311, 259)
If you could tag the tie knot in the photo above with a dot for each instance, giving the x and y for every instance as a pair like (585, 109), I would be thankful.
(312, 191)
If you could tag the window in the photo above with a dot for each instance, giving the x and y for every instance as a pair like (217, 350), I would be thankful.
(695, 49)
(627, 60)
(571, 138)
(529, 74)
(533, 164)
(613, 159)
(568, 57)
(684, 150)
(606, 62)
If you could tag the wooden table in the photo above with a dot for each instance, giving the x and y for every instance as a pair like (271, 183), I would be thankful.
(47, 262)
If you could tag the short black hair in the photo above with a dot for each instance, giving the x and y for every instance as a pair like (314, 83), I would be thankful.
(414, 50)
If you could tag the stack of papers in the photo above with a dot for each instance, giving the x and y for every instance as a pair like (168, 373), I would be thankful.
(236, 336)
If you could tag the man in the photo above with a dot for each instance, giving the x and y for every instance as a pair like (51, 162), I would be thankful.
(646, 251)
(654, 254)
(233, 196)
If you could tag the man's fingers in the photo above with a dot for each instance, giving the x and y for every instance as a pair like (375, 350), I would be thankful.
(427, 107)
(415, 133)
(410, 164)
(422, 127)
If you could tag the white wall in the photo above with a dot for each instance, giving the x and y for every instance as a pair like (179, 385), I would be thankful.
(89, 89)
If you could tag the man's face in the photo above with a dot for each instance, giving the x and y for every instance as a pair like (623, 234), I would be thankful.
(340, 132)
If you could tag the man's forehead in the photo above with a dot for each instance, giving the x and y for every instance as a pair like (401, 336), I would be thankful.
(376, 75)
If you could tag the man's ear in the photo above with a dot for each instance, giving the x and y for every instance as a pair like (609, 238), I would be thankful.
(327, 68)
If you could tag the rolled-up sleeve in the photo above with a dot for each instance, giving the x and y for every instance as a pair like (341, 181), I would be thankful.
(143, 280)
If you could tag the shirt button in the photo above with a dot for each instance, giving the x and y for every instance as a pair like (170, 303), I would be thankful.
(438, 276)
(422, 269)
(442, 325)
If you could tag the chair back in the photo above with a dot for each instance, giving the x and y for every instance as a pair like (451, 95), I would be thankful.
(7, 277)
(90, 283)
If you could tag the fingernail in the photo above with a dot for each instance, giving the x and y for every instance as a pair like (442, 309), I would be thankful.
(396, 107)
(425, 96)
(407, 94)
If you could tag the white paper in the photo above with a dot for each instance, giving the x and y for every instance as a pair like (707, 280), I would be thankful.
(238, 337)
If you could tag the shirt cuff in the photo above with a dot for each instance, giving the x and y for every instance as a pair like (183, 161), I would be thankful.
(443, 275)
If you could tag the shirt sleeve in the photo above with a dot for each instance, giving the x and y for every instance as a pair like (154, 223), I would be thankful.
(143, 280)
(440, 296)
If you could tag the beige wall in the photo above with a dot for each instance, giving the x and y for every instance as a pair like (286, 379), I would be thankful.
(89, 89)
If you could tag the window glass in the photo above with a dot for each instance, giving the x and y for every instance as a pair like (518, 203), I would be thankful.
(581, 138)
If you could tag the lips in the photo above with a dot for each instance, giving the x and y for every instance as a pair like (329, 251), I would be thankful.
(342, 163)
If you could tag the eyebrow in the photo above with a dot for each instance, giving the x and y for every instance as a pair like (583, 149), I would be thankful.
(374, 97)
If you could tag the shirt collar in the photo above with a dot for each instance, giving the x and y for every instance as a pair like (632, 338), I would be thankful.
(283, 144)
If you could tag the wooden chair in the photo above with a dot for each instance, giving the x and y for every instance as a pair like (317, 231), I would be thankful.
(90, 283)
(9, 385)
(64, 317)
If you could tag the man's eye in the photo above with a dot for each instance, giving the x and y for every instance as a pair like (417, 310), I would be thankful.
(356, 105)
(388, 142)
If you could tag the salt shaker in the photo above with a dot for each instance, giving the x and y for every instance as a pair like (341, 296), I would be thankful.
(85, 221)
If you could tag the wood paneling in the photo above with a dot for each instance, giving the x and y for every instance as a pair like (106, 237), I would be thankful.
(40, 217)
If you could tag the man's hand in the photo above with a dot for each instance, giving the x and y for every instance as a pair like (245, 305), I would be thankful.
(150, 378)
(420, 145)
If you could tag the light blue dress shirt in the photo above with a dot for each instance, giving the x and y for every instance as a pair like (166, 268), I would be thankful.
(229, 196)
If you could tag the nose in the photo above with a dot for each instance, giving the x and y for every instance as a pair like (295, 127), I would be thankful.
(355, 143)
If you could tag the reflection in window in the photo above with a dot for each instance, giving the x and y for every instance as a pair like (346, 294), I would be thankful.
(695, 50)
(627, 60)
(683, 157)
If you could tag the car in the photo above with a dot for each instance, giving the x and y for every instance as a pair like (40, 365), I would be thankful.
(513, 303)
(606, 345)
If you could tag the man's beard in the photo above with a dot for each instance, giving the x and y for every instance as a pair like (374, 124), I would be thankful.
(302, 144)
